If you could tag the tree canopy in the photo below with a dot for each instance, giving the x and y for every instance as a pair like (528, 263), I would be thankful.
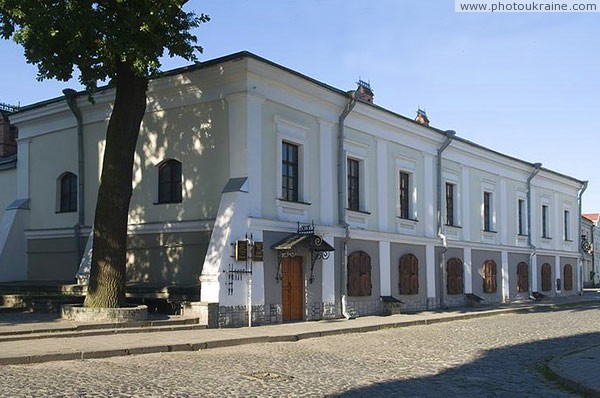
(117, 40)
(93, 36)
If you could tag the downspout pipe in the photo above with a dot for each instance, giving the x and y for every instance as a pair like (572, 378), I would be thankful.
(449, 137)
(71, 97)
(341, 182)
(584, 186)
(536, 170)
(440, 233)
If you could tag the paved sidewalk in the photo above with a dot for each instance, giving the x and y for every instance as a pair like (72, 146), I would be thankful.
(64, 342)
(579, 371)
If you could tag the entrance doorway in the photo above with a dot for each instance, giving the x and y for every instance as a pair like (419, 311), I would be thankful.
(292, 288)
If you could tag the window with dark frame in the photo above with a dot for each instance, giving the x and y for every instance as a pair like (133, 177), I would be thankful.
(409, 274)
(454, 276)
(568, 277)
(487, 211)
(449, 204)
(545, 229)
(521, 215)
(169, 182)
(522, 277)
(68, 193)
(289, 172)
(353, 185)
(567, 225)
(404, 195)
(490, 284)
(359, 274)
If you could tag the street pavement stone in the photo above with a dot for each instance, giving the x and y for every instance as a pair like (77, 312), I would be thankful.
(499, 356)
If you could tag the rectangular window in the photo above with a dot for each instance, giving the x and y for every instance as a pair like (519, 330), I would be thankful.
(289, 171)
(404, 195)
(567, 226)
(353, 185)
(449, 204)
(521, 214)
(545, 221)
(487, 211)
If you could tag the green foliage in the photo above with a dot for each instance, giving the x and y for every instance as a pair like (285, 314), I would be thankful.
(94, 36)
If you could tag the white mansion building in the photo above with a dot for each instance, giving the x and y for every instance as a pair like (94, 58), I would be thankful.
(271, 189)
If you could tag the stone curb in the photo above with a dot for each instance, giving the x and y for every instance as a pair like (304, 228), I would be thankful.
(575, 386)
(229, 342)
(107, 328)
(34, 335)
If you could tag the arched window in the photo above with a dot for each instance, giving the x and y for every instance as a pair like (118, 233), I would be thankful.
(546, 277)
(169, 181)
(67, 193)
(409, 274)
(522, 277)
(359, 274)
(490, 284)
(454, 276)
(568, 277)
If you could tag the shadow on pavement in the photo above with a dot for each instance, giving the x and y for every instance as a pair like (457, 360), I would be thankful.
(516, 371)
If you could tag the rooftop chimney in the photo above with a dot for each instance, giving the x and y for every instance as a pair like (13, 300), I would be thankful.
(422, 117)
(364, 92)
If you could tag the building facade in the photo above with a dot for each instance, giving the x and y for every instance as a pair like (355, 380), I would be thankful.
(289, 199)
(587, 248)
(590, 241)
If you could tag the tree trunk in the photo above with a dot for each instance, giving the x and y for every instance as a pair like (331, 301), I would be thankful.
(108, 267)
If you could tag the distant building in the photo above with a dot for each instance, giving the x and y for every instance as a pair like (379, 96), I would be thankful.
(273, 190)
(592, 247)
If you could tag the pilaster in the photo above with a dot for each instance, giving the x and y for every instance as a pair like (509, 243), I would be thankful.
(468, 270)
(385, 268)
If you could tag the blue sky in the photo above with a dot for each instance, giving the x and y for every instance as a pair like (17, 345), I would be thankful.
(525, 84)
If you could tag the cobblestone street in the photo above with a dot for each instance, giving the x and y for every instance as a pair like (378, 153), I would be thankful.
(499, 356)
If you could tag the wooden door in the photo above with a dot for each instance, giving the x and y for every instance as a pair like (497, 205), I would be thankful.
(292, 289)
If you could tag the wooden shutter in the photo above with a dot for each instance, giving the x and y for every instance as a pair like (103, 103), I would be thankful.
(454, 277)
(409, 274)
(490, 284)
(359, 274)
(568, 277)
(365, 274)
(522, 277)
(353, 275)
(546, 277)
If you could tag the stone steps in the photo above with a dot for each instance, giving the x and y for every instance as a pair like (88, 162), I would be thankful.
(82, 330)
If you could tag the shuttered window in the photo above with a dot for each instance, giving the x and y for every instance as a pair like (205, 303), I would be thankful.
(490, 284)
(522, 277)
(568, 277)
(409, 274)
(454, 277)
(359, 274)
(546, 277)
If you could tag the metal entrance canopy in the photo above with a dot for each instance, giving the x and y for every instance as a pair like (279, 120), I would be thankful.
(305, 236)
